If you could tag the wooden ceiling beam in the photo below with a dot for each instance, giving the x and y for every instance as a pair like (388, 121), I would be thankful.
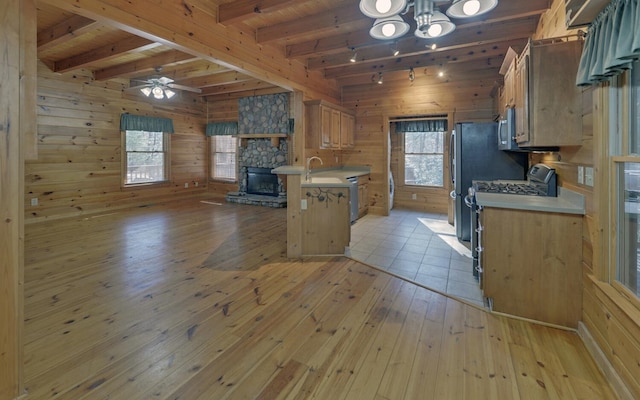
(145, 66)
(468, 37)
(248, 93)
(236, 11)
(217, 79)
(236, 87)
(478, 53)
(66, 30)
(319, 24)
(132, 43)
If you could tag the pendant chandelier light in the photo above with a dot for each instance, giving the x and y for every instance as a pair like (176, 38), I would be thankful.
(431, 22)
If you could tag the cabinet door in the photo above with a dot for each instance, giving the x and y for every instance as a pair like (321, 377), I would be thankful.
(508, 97)
(347, 127)
(522, 99)
(363, 194)
(335, 129)
(326, 127)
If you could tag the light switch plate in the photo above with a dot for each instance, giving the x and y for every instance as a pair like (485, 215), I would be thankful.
(581, 174)
(588, 176)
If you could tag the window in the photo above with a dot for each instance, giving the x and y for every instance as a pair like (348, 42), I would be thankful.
(625, 145)
(147, 157)
(223, 157)
(424, 158)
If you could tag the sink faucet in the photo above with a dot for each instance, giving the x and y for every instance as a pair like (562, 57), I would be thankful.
(308, 172)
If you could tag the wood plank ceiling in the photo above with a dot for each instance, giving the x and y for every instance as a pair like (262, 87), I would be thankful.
(320, 34)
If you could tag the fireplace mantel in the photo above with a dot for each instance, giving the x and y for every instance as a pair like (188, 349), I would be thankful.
(275, 137)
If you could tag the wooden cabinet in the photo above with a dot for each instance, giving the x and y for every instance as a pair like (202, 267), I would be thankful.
(531, 263)
(328, 126)
(508, 92)
(363, 195)
(326, 226)
(548, 102)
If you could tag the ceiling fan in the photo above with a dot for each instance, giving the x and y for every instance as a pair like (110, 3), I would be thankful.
(161, 87)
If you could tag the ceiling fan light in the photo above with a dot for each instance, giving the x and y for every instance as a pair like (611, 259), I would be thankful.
(157, 92)
(470, 8)
(439, 26)
(169, 93)
(146, 90)
(382, 8)
(389, 28)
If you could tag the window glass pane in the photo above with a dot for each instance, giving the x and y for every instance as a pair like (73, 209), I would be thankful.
(423, 142)
(224, 157)
(145, 157)
(145, 141)
(634, 103)
(627, 271)
(426, 169)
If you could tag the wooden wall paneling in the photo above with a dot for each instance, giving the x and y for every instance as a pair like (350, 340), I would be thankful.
(11, 198)
(28, 74)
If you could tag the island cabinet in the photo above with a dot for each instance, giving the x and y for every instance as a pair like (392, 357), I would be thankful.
(328, 126)
(326, 226)
(531, 262)
(548, 104)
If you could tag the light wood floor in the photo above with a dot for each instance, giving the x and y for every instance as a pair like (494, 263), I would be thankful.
(198, 301)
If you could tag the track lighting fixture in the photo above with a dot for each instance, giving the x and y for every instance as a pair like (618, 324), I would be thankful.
(354, 55)
(412, 74)
(379, 78)
(395, 50)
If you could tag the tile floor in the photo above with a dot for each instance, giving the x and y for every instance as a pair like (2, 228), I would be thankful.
(419, 246)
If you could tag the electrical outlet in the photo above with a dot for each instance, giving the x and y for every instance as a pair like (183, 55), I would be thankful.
(588, 176)
(34, 201)
(581, 174)
(186, 185)
(303, 204)
(414, 196)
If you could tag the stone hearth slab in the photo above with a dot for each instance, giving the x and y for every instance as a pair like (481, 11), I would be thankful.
(257, 200)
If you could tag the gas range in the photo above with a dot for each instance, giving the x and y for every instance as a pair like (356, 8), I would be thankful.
(541, 182)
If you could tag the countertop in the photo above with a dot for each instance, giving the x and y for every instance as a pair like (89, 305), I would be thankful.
(325, 177)
(567, 202)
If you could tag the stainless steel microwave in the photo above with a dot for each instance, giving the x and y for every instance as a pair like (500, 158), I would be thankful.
(507, 131)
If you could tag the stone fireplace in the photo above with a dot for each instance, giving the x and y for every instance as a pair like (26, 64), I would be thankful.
(263, 125)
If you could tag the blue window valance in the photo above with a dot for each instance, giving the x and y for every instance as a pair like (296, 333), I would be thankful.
(427, 125)
(222, 128)
(612, 44)
(129, 122)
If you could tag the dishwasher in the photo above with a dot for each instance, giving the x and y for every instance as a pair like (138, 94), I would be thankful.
(353, 198)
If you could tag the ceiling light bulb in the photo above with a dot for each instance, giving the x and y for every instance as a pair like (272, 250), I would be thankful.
(383, 6)
(434, 30)
(169, 93)
(388, 30)
(354, 56)
(440, 74)
(434, 46)
(471, 7)
(146, 91)
(157, 92)
(380, 78)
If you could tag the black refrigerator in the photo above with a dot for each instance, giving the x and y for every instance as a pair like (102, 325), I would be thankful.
(474, 155)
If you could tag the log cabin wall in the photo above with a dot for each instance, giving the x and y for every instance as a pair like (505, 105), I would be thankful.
(610, 321)
(454, 95)
(78, 168)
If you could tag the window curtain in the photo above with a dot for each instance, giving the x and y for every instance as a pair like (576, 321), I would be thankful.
(222, 128)
(130, 122)
(612, 44)
(435, 125)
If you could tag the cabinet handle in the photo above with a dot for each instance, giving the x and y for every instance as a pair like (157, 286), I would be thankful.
(479, 249)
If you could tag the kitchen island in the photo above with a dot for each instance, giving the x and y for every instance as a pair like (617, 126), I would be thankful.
(318, 212)
(531, 255)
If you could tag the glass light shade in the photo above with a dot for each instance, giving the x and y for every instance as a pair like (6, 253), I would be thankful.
(169, 93)
(382, 8)
(440, 25)
(389, 28)
(466, 8)
(146, 91)
(157, 92)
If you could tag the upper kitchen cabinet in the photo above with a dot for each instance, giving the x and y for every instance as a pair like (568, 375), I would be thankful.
(328, 126)
(548, 102)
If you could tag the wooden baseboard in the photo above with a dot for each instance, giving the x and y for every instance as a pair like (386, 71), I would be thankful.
(603, 363)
